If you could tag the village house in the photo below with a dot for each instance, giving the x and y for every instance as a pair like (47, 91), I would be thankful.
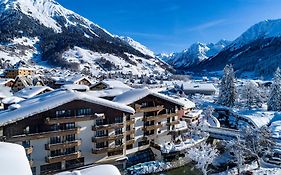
(21, 68)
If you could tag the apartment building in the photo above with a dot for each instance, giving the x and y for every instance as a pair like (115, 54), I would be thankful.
(65, 129)
(21, 68)
(156, 116)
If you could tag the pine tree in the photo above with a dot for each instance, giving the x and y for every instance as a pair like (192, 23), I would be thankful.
(251, 94)
(274, 102)
(228, 92)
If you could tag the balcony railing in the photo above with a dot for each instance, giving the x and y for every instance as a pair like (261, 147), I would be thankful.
(63, 145)
(107, 126)
(131, 141)
(150, 109)
(159, 117)
(107, 138)
(131, 131)
(152, 127)
(52, 121)
(61, 158)
(173, 123)
(107, 149)
(41, 135)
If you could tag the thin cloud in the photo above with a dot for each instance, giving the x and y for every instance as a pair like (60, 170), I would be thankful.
(206, 25)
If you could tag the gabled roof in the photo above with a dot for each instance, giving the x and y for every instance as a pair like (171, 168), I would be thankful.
(3, 81)
(77, 78)
(50, 100)
(32, 91)
(113, 84)
(134, 95)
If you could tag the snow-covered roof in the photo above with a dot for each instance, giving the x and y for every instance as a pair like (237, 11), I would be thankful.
(107, 92)
(96, 170)
(78, 87)
(258, 118)
(5, 92)
(3, 81)
(134, 95)
(13, 160)
(54, 99)
(32, 91)
(75, 79)
(11, 100)
(112, 84)
(199, 86)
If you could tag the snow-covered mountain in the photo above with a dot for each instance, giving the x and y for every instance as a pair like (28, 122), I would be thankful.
(44, 31)
(256, 52)
(195, 54)
(138, 46)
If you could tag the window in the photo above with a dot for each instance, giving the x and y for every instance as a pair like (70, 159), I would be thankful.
(26, 143)
(69, 125)
(99, 122)
(55, 153)
(101, 144)
(70, 138)
(63, 113)
(74, 163)
(50, 167)
(33, 170)
(118, 119)
(100, 133)
(128, 137)
(118, 142)
(118, 131)
(86, 111)
(128, 128)
(70, 150)
(55, 140)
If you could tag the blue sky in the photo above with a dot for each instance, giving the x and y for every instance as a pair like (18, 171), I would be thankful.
(173, 25)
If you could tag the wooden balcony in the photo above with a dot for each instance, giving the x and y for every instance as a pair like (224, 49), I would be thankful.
(107, 126)
(28, 150)
(41, 135)
(173, 123)
(152, 127)
(63, 145)
(107, 149)
(52, 121)
(107, 138)
(132, 131)
(61, 158)
(150, 109)
(131, 141)
(159, 117)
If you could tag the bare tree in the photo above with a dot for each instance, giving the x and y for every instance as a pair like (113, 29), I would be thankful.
(204, 155)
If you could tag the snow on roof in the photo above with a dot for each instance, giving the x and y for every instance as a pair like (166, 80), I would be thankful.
(96, 170)
(134, 95)
(112, 84)
(199, 86)
(107, 92)
(258, 118)
(275, 129)
(3, 81)
(76, 78)
(32, 91)
(78, 87)
(54, 99)
(13, 160)
(11, 100)
(5, 92)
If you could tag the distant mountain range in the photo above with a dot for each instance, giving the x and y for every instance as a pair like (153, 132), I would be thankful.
(194, 55)
(44, 32)
(257, 52)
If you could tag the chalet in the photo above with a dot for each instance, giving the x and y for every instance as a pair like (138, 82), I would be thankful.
(7, 82)
(198, 88)
(31, 91)
(109, 84)
(156, 115)
(26, 81)
(57, 82)
(65, 129)
(21, 68)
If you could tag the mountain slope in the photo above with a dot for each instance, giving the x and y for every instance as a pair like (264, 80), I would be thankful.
(58, 30)
(195, 54)
(256, 51)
